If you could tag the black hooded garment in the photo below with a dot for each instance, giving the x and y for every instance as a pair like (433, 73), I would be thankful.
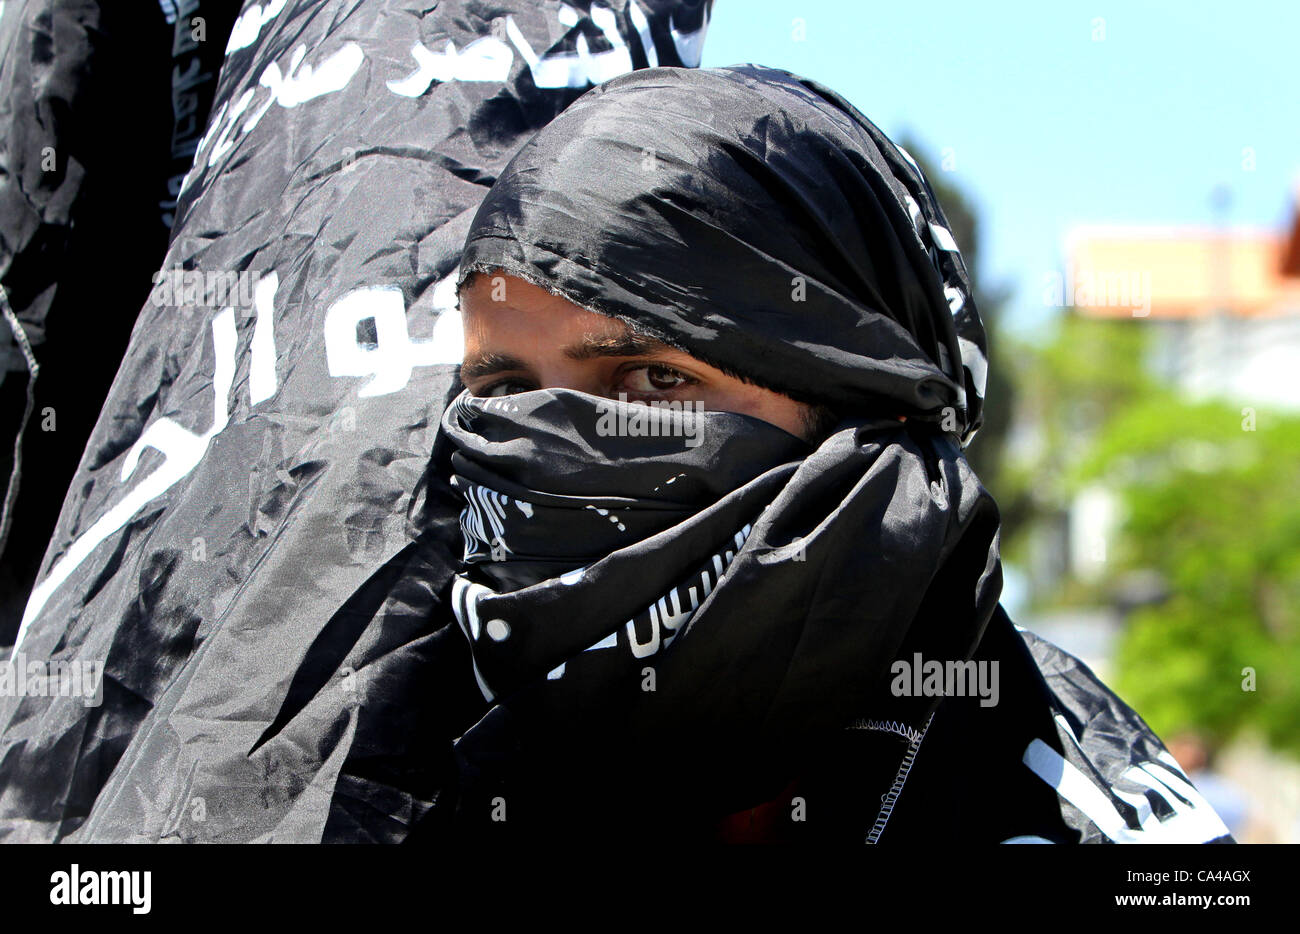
(655, 657)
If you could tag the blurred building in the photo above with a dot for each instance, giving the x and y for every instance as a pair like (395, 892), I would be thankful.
(1224, 304)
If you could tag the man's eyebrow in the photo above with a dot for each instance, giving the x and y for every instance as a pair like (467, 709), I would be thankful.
(629, 344)
(589, 347)
(489, 364)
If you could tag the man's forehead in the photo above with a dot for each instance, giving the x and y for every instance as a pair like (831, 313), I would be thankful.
(484, 357)
(524, 323)
(483, 291)
(504, 309)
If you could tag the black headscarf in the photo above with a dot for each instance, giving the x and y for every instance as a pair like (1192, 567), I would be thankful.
(688, 645)
(757, 221)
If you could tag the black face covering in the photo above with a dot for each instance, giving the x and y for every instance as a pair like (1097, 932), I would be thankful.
(679, 621)
(642, 605)
(555, 480)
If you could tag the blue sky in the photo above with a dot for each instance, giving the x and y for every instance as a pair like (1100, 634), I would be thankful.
(1049, 127)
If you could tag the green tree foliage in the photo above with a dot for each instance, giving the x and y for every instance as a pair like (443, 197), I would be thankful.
(1071, 387)
(1209, 492)
(1208, 495)
(1068, 389)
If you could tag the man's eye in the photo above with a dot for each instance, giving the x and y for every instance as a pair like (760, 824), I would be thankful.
(506, 387)
(655, 378)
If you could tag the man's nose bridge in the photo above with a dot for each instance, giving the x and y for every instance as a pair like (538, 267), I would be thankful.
(577, 375)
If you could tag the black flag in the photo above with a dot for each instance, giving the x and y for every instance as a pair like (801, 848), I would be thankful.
(105, 103)
(245, 550)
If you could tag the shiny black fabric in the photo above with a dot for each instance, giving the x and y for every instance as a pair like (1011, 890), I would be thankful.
(552, 486)
(254, 545)
(758, 221)
(630, 628)
(645, 679)
(101, 106)
(269, 579)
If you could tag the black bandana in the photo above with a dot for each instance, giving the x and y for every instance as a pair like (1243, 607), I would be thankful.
(556, 480)
(643, 633)
(757, 221)
(783, 579)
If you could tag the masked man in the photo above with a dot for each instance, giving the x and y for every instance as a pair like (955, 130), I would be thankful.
(727, 573)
